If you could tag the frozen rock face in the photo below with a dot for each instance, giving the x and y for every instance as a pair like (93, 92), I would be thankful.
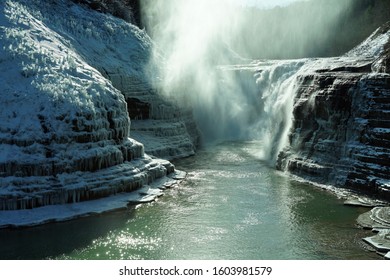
(341, 128)
(64, 128)
(121, 53)
(166, 130)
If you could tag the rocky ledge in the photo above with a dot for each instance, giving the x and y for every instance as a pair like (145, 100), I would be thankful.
(377, 220)
(121, 52)
(341, 129)
(64, 122)
(166, 130)
(341, 120)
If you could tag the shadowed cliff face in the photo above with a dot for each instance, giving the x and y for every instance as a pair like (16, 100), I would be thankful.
(341, 127)
(386, 54)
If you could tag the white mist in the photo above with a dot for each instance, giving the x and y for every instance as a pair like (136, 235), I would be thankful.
(232, 98)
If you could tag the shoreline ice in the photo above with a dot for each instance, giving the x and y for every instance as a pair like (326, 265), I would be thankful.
(65, 212)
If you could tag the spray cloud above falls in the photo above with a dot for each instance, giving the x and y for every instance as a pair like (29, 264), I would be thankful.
(211, 57)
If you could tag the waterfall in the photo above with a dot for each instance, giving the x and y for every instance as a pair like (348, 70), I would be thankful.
(247, 102)
(276, 87)
(232, 98)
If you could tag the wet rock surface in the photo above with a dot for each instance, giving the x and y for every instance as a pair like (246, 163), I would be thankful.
(341, 127)
(377, 220)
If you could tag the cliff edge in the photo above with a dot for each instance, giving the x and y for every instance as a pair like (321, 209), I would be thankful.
(341, 120)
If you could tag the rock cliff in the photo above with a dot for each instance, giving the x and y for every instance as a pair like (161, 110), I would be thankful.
(341, 120)
(166, 130)
(67, 73)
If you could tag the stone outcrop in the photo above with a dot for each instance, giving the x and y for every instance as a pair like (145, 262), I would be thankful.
(377, 220)
(166, 130)
(341, 120)
(64, 127)
(340, 133)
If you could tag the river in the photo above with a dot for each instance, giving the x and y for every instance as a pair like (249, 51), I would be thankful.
(231, 206)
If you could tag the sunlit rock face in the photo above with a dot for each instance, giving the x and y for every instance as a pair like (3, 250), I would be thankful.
(64, 128)
(122, 54)
(341, 127)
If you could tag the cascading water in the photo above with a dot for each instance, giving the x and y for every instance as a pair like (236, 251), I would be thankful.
(232, 98)
(261, 108)
(277, 88)
(249, 102)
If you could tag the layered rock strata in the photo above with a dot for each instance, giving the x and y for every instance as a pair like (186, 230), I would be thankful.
(165, 129)
(64, 128)
(340, 133)
(341, 121)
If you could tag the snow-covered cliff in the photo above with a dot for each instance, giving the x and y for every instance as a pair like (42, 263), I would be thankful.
(66, 73)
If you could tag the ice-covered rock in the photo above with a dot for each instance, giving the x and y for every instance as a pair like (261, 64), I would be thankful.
(166, 129)
(64, 127)
(378, 219)
(121, 53)
(381, 241)
(64, 212)
(361, 201)
(387, 256)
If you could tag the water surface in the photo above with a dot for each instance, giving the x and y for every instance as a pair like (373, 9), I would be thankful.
(231, 206)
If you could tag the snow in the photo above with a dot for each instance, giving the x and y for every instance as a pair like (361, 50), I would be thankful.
(372, 46)
(60, 213)
(64, 126)
(51, 49)
(38, 67)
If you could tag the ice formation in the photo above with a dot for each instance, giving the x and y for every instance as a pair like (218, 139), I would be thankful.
(64, 123)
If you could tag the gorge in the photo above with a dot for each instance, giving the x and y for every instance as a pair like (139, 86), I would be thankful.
(89, 105)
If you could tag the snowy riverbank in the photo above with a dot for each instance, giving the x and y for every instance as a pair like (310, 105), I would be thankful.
(65, 212)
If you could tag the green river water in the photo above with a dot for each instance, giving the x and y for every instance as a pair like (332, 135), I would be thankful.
(231, 206)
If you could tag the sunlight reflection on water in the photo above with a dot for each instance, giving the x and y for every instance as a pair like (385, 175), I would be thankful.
(223, 210)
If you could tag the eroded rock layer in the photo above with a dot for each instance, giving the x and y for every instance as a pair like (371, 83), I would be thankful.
(166, 130)
(64, 128)
(125, 60)
(341, 128)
